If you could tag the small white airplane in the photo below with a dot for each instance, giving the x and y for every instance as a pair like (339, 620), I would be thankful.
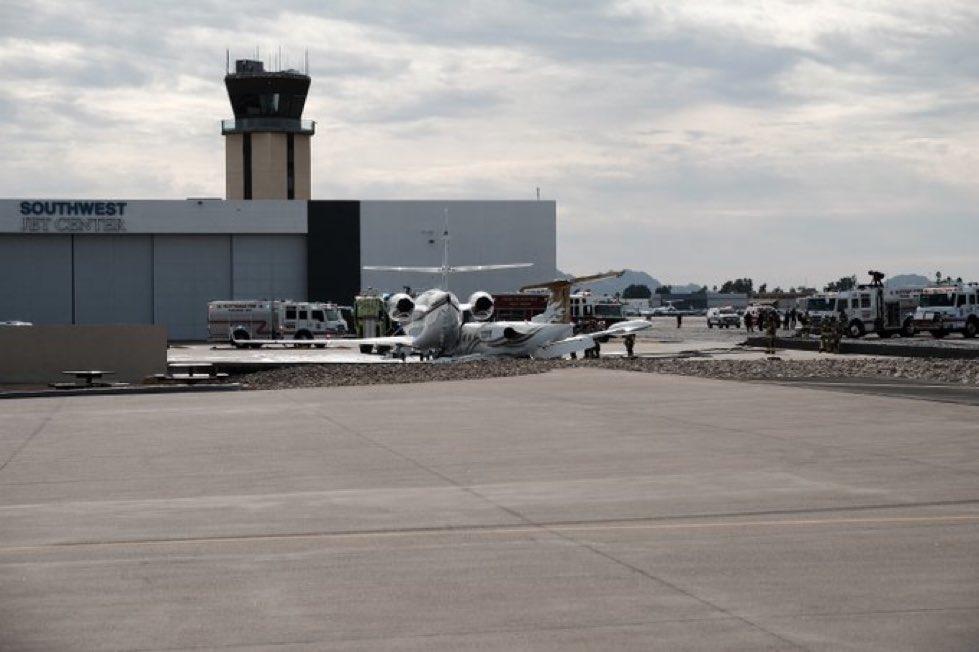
(436, 324)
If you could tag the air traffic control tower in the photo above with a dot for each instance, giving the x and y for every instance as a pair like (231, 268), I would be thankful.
(267, 142)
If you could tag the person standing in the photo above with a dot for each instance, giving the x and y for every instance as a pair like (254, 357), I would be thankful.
(841, 326)
(826, 329)
(679, 319)
(630, 343)
(749, 322)
(772, 331)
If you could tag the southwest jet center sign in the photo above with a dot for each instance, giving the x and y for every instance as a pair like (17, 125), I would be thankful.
(54, 217)
(73, 216)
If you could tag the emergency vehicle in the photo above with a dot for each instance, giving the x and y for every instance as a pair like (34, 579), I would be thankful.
(587, 311)
(820, 306)
(869, 308)
(235, 321)
(949, 309)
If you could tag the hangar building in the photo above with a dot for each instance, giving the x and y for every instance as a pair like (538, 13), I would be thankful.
(65, 261)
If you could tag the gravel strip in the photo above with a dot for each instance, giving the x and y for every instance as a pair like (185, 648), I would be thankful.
(965, 372)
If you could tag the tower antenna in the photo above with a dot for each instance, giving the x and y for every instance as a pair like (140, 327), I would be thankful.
(227, 61)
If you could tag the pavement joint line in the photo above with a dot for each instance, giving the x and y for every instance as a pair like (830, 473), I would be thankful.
(656, 579)
(951, 519)
(531, 524)
(784, 381)
(37, 431)
(812, 444)
(556, 628)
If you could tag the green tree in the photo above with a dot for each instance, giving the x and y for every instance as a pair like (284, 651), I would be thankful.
(636, 291)
(738, 286)
(664, 290)
(845, 283)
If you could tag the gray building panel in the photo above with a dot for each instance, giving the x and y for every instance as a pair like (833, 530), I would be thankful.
(121, 261)
(269, 267)
(35, 278)
(483, 232)
(188, 272)
(114, 279)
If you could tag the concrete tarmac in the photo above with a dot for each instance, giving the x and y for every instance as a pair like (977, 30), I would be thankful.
(581, 509)
(897, 387)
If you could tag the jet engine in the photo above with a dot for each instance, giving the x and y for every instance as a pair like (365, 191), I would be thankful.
(481, 306)
(400, 307)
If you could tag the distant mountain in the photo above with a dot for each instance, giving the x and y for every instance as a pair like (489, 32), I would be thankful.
(908, 280)
(613, 285)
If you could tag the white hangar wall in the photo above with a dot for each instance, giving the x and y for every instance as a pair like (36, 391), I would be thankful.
(160, 264)
(407, 233)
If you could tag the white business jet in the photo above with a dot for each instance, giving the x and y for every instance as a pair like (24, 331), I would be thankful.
(436, 324)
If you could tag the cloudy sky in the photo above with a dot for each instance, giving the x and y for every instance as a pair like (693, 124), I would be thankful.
(791, 141)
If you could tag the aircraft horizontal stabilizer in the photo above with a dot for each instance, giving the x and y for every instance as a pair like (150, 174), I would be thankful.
(394, 268)
(487, 268)
(444, 270)
(574, 280)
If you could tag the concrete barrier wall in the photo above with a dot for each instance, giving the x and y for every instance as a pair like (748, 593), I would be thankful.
(38, 354)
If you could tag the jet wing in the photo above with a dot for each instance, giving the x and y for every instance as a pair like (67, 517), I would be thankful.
(584, 341)
(338, 343)
(564, 347)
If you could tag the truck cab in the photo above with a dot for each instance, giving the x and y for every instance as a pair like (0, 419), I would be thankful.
(820, 307)
(949, 309)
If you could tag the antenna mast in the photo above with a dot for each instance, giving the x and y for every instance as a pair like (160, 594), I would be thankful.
(445, 253)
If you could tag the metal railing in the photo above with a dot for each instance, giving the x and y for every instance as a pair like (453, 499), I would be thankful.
(286, 125)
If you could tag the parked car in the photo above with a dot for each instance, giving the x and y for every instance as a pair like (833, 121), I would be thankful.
(723, 318)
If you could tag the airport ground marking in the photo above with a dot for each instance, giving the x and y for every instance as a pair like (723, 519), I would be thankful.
(951, 519)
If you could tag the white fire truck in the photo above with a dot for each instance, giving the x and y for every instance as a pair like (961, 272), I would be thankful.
(587, 311)
(949, 309)
(820, 306)
(236, 321)
(870, 308)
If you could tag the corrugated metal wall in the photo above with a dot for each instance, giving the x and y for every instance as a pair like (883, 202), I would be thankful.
(35, 278)
(189, 271)
(135, 279)
(269, 267)
(113, 279)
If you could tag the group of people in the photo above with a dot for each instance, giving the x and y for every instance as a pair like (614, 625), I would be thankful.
(831, 330)
(789, 319)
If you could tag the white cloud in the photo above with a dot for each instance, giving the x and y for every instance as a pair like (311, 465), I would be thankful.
(782, 140)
